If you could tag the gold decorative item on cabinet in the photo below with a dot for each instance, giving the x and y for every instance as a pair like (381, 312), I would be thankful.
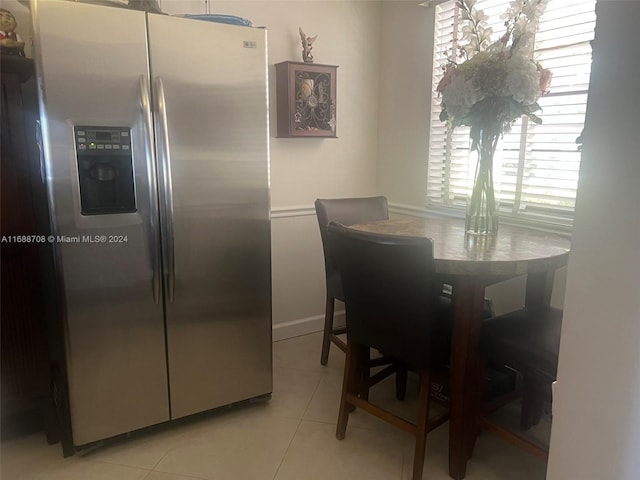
(306, 99)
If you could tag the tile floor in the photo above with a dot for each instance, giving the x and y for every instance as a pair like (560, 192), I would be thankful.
(290, 437)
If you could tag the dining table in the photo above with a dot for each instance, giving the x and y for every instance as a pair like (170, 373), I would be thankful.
(469, 264)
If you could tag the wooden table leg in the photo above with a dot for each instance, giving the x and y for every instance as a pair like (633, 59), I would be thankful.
(468, 302)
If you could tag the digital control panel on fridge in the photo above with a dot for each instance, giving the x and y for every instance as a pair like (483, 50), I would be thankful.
(105, 170)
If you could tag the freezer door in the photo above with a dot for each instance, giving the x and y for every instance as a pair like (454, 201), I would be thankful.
(210, 89)
(90, 63)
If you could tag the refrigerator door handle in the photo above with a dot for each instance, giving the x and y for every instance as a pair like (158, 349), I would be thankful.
(165, 153)
(43, 168)
(154, 233)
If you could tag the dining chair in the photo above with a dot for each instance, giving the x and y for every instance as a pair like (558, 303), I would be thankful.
(390, 299)
(528, 341)
(346, 211)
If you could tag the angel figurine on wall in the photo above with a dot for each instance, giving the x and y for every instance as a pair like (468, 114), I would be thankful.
(307, 42)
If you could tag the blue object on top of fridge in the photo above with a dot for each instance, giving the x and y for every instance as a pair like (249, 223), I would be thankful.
(164, 158)
(229, 19)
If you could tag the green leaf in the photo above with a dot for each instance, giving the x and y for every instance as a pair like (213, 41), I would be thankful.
(534, 118)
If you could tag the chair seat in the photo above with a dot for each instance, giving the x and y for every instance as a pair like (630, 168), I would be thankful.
(528, 341)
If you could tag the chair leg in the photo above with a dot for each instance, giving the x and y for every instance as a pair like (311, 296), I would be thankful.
(401, 382)
(422, 425)
(364, 370)
(532, 404)
(50, 418)
(350, 381)
(328, 328)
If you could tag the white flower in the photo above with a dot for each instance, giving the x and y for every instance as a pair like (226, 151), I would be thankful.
(534, 9)
(498, 81)
(459, 96)
(522, 81)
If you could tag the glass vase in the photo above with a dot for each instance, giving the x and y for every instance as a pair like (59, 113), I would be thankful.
(482, 212)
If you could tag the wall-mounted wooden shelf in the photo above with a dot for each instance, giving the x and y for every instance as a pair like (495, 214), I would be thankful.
(306, 99)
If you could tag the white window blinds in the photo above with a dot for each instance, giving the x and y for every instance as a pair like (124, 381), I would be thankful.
(535, 166)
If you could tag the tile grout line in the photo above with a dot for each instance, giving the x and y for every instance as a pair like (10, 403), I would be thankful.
(275, 475)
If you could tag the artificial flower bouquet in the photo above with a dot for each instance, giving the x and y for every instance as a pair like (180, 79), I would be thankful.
(487, 86)
(496, 83)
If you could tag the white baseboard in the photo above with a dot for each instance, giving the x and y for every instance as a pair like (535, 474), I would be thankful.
(302, 326)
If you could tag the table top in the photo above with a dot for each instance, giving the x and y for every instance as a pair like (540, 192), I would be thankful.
(513, 251)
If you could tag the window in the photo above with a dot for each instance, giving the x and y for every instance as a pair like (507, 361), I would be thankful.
(535, 166)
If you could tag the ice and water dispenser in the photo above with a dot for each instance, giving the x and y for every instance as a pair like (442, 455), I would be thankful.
(105, 170)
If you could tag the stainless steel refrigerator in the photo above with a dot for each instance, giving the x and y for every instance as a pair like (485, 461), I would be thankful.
(155, 152)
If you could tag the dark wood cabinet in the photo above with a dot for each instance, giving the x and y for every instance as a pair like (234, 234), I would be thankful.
(25, 369)
(306, 99)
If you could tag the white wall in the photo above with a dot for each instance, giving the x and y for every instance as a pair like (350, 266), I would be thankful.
(405, 95)
(596, 429)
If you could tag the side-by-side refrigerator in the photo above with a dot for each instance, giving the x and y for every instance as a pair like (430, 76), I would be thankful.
(156, 158)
